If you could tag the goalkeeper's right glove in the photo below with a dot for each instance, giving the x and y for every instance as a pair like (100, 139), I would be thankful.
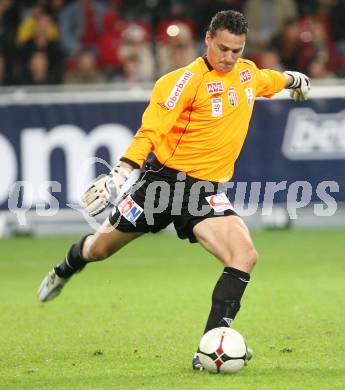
(104, 191)
(300, 86)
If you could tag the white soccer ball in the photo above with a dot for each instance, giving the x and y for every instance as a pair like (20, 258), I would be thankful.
(222, 350)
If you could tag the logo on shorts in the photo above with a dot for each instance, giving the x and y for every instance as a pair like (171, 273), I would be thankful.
(176, 92)
(217, 107)
(129, 209)
(215, 87)
(232, 97)
(245, 76)
(219, 202)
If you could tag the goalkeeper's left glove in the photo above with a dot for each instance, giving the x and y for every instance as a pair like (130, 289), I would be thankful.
(300, 86)
(104, 191)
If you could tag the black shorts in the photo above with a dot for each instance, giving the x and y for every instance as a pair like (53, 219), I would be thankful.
(163, 195)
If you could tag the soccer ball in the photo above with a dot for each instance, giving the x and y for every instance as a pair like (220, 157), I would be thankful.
(222, 350)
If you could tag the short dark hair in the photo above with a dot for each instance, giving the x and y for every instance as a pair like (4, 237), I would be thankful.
(230, 20)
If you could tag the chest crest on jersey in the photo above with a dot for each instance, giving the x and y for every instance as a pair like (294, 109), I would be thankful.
(232, 97)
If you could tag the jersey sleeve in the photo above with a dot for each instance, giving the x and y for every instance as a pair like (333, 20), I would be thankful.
(268, 82)
(170, 96)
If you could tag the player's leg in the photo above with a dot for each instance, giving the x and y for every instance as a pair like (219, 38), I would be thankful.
(229, 240)
(94, 247)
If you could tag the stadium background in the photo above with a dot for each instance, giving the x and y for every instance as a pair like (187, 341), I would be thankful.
(88, 41)
(80, 72)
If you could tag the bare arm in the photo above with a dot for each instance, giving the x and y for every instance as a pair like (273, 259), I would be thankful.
(125, 165)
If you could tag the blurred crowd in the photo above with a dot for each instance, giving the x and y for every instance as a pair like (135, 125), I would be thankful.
(47, 42)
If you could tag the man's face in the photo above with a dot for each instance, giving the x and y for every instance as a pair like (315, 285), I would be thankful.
(224, 49)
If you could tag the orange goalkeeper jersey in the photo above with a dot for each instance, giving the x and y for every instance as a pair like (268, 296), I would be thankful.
(198, 118)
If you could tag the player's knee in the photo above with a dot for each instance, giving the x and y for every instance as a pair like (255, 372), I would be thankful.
(96, 252)
(252, 256)
(243, 258)
(249, 255)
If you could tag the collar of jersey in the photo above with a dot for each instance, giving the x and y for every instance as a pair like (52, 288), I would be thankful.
(209, 66)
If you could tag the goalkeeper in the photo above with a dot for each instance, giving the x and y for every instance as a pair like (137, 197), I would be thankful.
(194, 126)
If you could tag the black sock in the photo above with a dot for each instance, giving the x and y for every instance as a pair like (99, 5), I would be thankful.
(73, 262)
(226, 297)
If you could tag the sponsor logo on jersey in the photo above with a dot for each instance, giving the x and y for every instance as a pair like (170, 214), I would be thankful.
(219, 202)
(232, 97)
(217, 107)
(215, 87)
(245, 76)
(250, 97)
(313, 136)
(176, 92)
(129, 209)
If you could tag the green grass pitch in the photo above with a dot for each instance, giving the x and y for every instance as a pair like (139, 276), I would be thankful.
(134, 321)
